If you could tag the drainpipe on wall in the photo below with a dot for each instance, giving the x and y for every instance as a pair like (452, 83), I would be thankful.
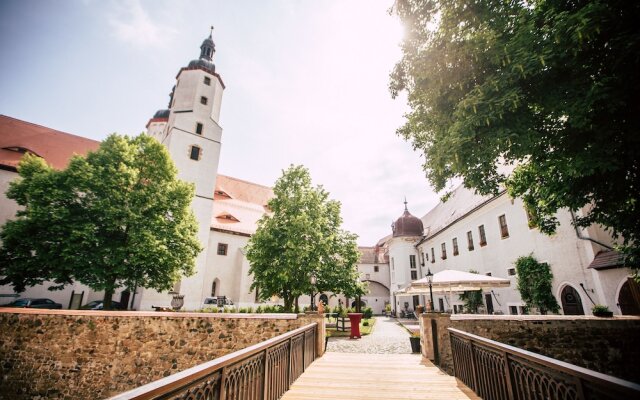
(579, 235)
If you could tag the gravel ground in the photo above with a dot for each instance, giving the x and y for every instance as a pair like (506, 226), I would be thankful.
(388, 337)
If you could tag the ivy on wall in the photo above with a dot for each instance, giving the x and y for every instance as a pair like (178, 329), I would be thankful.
(534, 284)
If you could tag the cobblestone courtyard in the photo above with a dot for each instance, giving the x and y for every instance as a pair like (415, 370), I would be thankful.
(388, 337)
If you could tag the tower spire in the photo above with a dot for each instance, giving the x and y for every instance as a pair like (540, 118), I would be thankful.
(405, 203)
(208, 47)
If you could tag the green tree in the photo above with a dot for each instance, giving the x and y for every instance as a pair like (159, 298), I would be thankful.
(550, 86)
(117, 218)
(472, 299)
(534, 284)
(301, 237)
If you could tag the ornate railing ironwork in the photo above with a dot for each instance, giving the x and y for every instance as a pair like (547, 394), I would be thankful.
(260, 372)
(497, 371)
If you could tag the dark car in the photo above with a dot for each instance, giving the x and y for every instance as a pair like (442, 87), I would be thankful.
(35, 303)
(98, 305)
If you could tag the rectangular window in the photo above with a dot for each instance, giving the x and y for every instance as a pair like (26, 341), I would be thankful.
(483, 237)
(204, 100)
(412, 261)
(423, 259)
(511, 271)
(488, 274)
(504, 229)
(455, 247)
(199, 128)
(513, 310)
(376, 268)
(194, 154)
(207, 81)
(222, 249)
(433, 256)
(414, 275)
(444, 251)
(470, 240)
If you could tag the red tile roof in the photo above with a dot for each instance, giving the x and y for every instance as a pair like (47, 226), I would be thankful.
(607, 259)
(17, 136)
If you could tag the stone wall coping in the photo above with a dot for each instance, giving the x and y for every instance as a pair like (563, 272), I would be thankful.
(95, 313)
(463, 317)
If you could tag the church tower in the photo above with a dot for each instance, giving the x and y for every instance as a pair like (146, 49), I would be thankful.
(191, 132)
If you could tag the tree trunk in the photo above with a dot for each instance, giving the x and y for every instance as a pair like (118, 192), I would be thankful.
(288, 302)
(106, 302)
(297, 310)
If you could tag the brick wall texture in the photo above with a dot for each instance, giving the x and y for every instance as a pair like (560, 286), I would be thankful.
(97, 355)
(607, 345)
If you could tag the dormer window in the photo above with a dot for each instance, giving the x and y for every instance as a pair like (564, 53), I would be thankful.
(207, 81)
(195, 153)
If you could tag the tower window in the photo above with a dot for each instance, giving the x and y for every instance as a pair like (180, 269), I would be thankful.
(412, 261)
(195, 153)
(414, 275)
(222, 249)
(433, 256)
(455, 247)
(444, 251)
(376, 268)
(199, 128)
(204, 100)
(207, 81)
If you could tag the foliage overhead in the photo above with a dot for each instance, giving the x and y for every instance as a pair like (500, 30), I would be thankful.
(302, 237)
(534, 284)
(117, 218)
(549, 86)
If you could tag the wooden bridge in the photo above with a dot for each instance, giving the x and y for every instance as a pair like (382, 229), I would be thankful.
(376, 376)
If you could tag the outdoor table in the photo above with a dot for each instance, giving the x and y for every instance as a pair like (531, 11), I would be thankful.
(355, 318)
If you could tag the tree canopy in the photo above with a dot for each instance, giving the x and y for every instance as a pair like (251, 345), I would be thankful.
(534, 284)
(301, 237)
(550, 86)
(117, 218)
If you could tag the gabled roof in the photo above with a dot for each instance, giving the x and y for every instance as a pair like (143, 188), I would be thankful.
(238, 205)
(55, 147)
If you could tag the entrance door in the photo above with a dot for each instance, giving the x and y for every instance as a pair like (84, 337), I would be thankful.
(489, 301)
(76, 300)
(441, 304)
(416, 301)
(571, 303)
(629, 298)
(124, 299)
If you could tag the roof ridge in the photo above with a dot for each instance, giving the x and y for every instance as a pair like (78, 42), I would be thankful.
(245, 181)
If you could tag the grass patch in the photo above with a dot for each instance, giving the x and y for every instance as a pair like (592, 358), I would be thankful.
(364, 330)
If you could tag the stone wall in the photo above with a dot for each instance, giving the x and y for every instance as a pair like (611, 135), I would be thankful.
(607, 345)
(87, 354)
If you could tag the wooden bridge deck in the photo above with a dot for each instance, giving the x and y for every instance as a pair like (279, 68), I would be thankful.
(376, 376)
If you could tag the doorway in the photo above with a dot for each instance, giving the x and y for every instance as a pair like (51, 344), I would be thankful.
(571, 303)
(124, 299)
(489, 301)
(629, 298)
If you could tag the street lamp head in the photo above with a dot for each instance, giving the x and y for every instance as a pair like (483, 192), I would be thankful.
(429, 276)
(313, 279)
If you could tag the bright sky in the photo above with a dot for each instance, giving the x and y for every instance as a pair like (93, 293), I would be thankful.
(306, 83)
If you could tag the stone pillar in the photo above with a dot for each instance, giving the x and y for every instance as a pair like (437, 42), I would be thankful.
(436, 346)
(321, 333)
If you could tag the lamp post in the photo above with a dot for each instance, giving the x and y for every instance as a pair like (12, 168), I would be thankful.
(313, 280)
(430, 280)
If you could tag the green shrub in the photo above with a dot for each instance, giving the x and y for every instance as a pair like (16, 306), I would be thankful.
(368, 313)
(365, 323)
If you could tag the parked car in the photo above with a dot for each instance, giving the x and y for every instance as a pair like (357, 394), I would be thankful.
(34, 303)
(98, 305)
(217, 301)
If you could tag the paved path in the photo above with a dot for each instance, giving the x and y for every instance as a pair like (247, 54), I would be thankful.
(388, 337)
(377, 377)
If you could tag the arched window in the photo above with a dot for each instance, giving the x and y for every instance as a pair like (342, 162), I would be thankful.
(324, 299)
(214, 287)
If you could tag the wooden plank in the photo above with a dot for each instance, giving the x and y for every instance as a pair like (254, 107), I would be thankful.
(376, 376)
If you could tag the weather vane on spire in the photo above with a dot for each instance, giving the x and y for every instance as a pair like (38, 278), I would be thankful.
(211, 34)
(405, 203)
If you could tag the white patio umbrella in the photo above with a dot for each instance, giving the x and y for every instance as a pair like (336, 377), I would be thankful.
(450, 281)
